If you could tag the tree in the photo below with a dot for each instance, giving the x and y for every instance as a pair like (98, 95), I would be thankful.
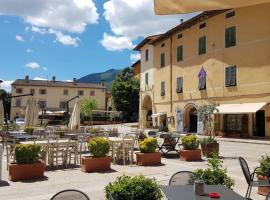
(87, 107)
(6, 97)
(125, 91)
(206, 115)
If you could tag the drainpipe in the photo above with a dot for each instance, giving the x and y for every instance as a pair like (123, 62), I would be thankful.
(171, 75)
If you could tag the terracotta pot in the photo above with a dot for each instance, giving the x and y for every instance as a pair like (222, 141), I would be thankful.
(96, 164)
(144, 159)
(18, 172)
(209, 149)
(263, 190)
(190, 155)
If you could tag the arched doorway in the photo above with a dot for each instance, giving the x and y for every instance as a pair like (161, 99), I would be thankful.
(191, 118)
(147, 111)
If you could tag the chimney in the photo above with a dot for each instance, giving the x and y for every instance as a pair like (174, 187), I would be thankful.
(182, 21)
(27, 79)
(74, 81)
(53, 78)
(102, 82)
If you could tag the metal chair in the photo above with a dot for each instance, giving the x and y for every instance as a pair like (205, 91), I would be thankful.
(250, 177)
(182, 178)
(70, 195)
(268, 196)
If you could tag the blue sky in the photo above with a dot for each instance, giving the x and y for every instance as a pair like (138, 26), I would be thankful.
(73, 38)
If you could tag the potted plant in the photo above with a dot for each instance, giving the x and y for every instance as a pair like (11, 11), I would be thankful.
(29, 130)
(190, 151)
(99, 148)
(263, 173)
(133, 188)
(209, 146)
(27, 165)
(148, 154)
(214, 174)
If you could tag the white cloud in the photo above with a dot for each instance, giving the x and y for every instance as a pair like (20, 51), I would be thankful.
(6, 85)
(19, 38)
(134, 57)
(115, 43)
(29, 50)
(32, 65)
(40, 79)
(38, 30)
(65, 39)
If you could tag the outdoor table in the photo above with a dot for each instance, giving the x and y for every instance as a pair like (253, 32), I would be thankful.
(187, 193)
(21, 136)
(170, 141)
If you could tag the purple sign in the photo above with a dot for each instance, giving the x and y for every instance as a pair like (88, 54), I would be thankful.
(202, 73)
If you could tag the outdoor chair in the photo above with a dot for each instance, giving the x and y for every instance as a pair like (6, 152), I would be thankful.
(126, 150)
(181, 178)
(268, 196)
(70, 195)
(250, 177)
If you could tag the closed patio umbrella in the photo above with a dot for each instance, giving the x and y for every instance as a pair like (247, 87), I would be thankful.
(31, 112)
(166, 7)
(1, 113)
(74, 121)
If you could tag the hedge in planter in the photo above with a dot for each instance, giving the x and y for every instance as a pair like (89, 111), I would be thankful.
(133, 188)
(148, 154)
(210, 146)
(190, 152)
(99, 147)
(263, 173)
(28, 130)
(27, 166)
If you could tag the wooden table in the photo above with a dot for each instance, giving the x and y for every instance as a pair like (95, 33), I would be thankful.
(187, 193)
(170, 141)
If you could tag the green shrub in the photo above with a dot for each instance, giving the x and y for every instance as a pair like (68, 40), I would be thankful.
(208, 140)
(264, 168)
(214, 174)
(148, 145)
(27, 153)
(99, 146)
(190, 142)
(28, 130)
(133, 188)
(92, 130)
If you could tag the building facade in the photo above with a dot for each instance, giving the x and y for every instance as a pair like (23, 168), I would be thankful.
(217, 57)
(53, 95)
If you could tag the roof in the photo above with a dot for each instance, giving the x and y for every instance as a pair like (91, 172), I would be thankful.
(46, 83)
(187, 24)
(136, 63)
(145, 41)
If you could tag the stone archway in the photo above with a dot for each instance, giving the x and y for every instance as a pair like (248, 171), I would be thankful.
(147, 111)
(191, 118)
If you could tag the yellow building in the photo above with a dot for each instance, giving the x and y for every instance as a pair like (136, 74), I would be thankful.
(218, 57)
(53, 95)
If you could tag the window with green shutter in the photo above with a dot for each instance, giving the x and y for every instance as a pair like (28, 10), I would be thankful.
(146, 55)
(230, 76)
(179, 85)
(162, 88)
(146, 79)
(202, 45)
(180, 53)
(162, 60)
(230, 37)
(202, 83)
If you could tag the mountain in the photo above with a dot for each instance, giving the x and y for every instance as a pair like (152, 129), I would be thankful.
(107, 77)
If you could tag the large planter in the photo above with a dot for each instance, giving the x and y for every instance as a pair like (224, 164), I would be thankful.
(96, 164)
(144, 159)
(18, 172)
(263, 190)
(190, 155)
(208, 150)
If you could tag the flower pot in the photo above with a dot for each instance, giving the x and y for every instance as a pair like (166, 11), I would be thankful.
(263, 190)
(96, 164)
(18, 172)
(190, 155)
(144, 159)
(209, 149)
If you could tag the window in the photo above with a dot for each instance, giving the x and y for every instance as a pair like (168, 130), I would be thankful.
(162, 60)
(146, 55)
(230, 14)
(146, 79)
(42, 104)
(179, 53)
(63, 104)
(162, 88)
(19, 90)
(18, 103)
(80, 92)
(163, 45)
(92, 93)
(230, 37)
(42, 91)
(230, 76)
(32, 91)
(233, 122)
(202, 26)
(202, 45)
(202, 83)
(65, 92)
(179, 85)
(179, 36)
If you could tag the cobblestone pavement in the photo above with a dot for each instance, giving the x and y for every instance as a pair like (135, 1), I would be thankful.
(93, 183)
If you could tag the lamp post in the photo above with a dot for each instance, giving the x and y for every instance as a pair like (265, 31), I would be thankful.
(68, 107)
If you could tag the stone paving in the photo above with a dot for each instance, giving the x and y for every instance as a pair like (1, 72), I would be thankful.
(93, 183)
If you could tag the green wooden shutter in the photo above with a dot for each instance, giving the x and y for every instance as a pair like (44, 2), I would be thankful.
(227, 77)
(202, 45)
(233, 76)
(179, 88)
(162, 92)
(162, 60)
(180, 53)
(230, 37)
(146, 78)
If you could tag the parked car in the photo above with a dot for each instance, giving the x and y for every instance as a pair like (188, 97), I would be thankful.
(19, 121)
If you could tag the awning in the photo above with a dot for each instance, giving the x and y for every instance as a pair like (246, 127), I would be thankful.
(239, 108)
(165, 7)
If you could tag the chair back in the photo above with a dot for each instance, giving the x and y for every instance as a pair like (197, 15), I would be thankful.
(182, 178)
(268, 196)
(70, 195)
(245, 169)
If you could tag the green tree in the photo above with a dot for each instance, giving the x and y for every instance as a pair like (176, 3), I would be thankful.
(6, 97)
(87, 107)
(125, 91)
